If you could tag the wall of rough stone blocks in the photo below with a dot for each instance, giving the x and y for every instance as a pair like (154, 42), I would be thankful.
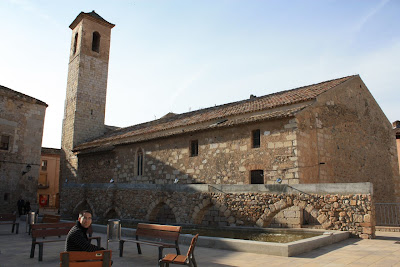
(225, 156)
(22, 119)
(85, 101)
(350, 212)
(345, 137)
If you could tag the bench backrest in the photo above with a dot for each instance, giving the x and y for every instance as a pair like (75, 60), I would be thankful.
(48, 218)
(168, 232)
(100, 258)
(5, 217)
(51, 229)
(192, 245)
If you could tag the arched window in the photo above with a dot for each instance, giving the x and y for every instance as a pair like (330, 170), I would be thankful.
(75, 43)
(139, 156)
(96, 42)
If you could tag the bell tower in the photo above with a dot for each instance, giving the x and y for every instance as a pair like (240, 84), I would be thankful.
(85, 101)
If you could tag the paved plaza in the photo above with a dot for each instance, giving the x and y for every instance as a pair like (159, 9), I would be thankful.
(382, 251)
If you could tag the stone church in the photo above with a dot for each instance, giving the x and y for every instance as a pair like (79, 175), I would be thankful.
(330, 132)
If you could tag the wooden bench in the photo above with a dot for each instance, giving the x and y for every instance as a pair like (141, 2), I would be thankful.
(162, 236)
(8, 218)
(101, 258)
(48, 218)
(52, 230)
(181, 259)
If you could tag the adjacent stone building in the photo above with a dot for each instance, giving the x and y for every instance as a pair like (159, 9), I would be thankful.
(21, 130)
(329, 132)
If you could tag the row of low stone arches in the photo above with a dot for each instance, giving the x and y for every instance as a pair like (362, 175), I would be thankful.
(207, 213)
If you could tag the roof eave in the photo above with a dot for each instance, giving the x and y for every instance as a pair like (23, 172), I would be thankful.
(83, 15)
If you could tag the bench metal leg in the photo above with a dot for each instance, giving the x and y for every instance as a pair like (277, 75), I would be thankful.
(121, 247)
(40, 252)
(139, 250)
(16, 230)
(12, 229)
(33, 250)
(160, 250)
(194, 261)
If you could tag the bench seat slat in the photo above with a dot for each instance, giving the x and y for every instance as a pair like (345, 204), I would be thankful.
(151, 243)
(160, 227)
(158, 234)
(83, 255)
(180, 259)
(50, 232)
(49, 241)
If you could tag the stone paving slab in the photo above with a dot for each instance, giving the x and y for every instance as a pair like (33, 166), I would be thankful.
(382, 251)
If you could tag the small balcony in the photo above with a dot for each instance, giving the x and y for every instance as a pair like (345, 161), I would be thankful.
(43, 186)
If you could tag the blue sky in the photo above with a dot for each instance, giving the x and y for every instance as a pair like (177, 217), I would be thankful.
(181, 55)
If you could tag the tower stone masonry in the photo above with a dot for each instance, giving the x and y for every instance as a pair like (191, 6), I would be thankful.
(85, 100)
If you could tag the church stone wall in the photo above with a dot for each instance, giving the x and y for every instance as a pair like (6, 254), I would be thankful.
(345, 137)
(224, 156)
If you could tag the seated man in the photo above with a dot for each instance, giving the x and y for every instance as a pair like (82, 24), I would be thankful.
(77, 239)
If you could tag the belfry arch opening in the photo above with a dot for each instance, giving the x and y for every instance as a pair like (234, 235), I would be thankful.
(75, 43)
(96, 42)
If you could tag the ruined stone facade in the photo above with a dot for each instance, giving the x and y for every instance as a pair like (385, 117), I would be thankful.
(21, 130)
(200, 204)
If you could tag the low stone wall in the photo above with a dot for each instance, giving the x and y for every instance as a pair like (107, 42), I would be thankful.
(255, 205)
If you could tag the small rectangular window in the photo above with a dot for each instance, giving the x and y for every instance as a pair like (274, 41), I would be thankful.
(256, 138)
(257, 177)
(44, 165)
(140, 163)
(42, 181)
(194, 148)
(5, 142)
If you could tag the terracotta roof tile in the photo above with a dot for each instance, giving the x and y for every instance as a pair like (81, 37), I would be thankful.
(92, 15)
(197, 120)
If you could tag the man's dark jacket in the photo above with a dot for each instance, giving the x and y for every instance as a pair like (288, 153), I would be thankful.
(77, 240)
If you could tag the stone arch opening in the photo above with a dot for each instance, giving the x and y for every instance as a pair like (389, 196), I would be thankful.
(161, 212)
(294, 216)
(112, 213)
(198, 214)
(208, 214)
(83, 205)
(310, 219)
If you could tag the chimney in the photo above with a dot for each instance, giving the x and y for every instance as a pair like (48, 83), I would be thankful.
(396, 125)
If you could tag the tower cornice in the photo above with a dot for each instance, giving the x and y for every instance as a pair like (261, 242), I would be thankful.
(91, 16)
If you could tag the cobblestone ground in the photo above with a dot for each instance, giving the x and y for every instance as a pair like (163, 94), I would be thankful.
(382, 251)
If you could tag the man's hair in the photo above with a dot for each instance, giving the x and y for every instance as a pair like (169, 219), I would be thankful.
(84, 211)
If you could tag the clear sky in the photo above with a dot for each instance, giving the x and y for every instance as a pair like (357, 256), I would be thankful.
(182, 55)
